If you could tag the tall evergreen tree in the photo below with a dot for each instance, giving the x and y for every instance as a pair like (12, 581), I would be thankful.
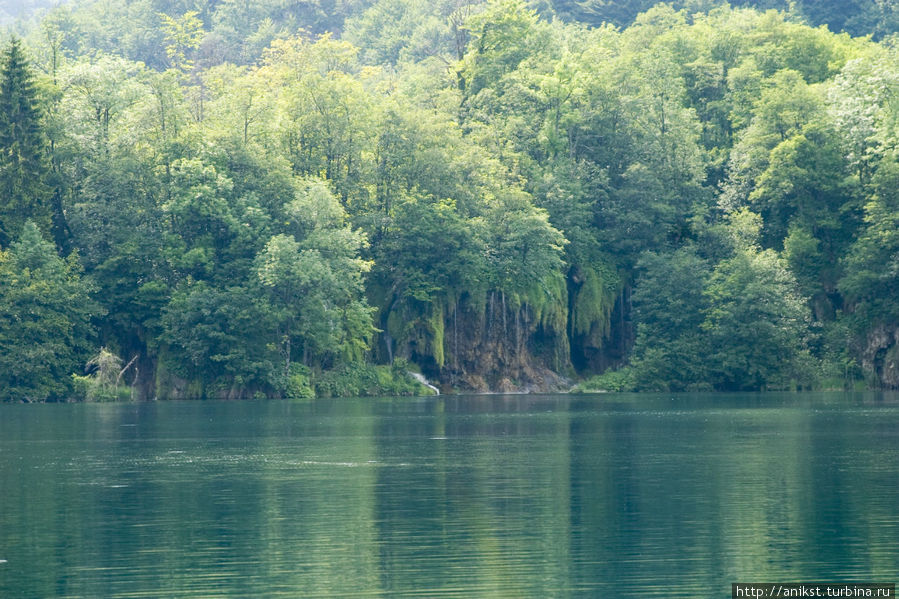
(24, 190)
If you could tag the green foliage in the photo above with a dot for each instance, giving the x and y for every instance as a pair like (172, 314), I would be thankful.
(522, 246)
(610, 381)
(739, 325)
(105, 383)
(45, 320)
(805, 184)
(670, 352)
(871, 279)
(502, 36)
(755, 322)
(475, 187)
(315, 286)
(547, 299)
(366, 380)
(182, 37)
(299, 383)
(212, 338)
(391, 30)
(24, 169)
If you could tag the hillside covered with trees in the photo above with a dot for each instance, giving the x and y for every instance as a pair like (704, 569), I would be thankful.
(276, 199)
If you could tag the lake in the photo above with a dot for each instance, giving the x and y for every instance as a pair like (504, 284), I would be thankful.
(612, 495)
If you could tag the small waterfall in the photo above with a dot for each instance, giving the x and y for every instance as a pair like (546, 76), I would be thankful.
(421, 379)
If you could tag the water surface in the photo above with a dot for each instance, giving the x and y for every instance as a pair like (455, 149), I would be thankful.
(504, 496)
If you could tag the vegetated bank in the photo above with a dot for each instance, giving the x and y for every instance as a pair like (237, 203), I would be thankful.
(202, 203)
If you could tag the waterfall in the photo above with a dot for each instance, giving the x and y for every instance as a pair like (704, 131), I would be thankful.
(421, 379)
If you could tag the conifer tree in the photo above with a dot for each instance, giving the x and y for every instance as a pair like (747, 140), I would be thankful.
(24, 191)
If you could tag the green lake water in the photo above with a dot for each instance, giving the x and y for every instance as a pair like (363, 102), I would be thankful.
(618, 496)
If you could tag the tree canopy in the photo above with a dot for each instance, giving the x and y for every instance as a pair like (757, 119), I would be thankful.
(268, 199)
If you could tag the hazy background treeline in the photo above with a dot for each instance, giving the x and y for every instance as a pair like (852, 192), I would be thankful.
(856, 17)
(280, 198)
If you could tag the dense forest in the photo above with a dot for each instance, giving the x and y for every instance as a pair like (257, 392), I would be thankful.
(204, 198)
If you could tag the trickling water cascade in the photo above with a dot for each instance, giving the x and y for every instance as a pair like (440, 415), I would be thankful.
(421, 379)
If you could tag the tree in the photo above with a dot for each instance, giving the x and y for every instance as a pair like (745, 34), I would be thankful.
(314, 286)
(182, 37)
(419, 287)
(871, 275)
(756, 319)
(98, 94)
(24, 190)
(670, 305)
(326, 112)
(597, 12)
(45, 319)
(391, 29)
(119, 232)
(786, 105)
(214, 340)
(502, 37)
(810, 209)
(871, 280)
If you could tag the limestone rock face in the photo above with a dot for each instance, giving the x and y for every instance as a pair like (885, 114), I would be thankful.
(880, 356)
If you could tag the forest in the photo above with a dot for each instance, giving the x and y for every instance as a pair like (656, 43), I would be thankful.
(290, 198)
